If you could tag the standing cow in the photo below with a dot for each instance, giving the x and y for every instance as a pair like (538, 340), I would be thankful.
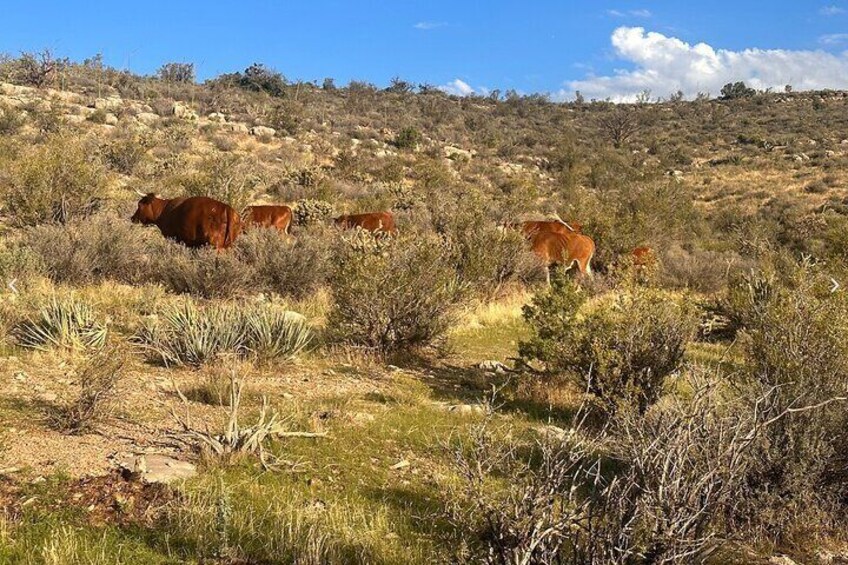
(564, 249)
(375, 222)
(279, 217)
(195, 222)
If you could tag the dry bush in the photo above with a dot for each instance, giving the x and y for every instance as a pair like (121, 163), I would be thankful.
(126, 150)
(11, 119)
(647, 489)
(226, 177)
(620, 349)
(795, 341)
(394, 295)
(289, 266)
(102, 246)
(58, 180)
(202, 272)
(702, 271)
(98, 378)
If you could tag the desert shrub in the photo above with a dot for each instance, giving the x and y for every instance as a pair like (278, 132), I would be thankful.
(393, 296)
(98, 116)
(186, 334)
(202, 272)
(97, 378)
(311, 211)
(225, 177)
(11, 119)
(620, 348)
(126, 150)
(102, 246)
(795, 342)
(65, 323)
(699, 270)
(294, 267)
(408, 138)
(56, 181)
(648, 489)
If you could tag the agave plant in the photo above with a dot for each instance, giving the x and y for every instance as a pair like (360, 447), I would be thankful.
(66, 323)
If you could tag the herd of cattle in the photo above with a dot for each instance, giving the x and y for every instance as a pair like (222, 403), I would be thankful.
(198, 221)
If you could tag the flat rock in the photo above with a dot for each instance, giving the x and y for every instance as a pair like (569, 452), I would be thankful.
(154, 468)
(492, 366)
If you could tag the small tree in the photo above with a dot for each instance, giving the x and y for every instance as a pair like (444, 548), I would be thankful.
(260, 78)
(176, 72)
(619, 125)
(734, 90)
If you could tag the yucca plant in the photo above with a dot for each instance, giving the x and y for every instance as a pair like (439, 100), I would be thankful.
(65, 323)
(276, 334)
(189, 335)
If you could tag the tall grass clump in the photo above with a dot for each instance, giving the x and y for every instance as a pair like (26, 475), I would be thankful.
(190, 335)
(395, 295)
(620, 349)
(65, 323)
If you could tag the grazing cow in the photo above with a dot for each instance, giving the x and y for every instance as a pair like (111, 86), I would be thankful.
(376, 222)
(530, 228)
(279, 217)
(564, 249)
(194, 222)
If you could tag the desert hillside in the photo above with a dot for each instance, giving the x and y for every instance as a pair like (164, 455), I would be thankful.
(341, 396)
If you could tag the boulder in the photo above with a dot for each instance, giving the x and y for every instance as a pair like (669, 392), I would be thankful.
(456, 153)
(154, 468)
(467, 409)
(262, 131)
(184, 112)
(217, 117)
(237, 127)
(147, 118)
(111, 103)
(111, 119)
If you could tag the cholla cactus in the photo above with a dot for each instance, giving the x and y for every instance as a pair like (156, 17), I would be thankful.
(308, 178)
(309, 211)
(367, 242)
(403, 196)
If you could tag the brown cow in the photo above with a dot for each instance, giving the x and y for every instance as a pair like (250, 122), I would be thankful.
(279, 217)
(564, 249)
(376, 222)
(194, 222)
(643, 256)
(530, 228)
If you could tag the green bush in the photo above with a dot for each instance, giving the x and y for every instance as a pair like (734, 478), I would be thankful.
(408, 138)
(620, 348)
(56, 181)
(393, 296)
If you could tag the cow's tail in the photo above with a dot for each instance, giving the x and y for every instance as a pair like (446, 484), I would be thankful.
(232, 228)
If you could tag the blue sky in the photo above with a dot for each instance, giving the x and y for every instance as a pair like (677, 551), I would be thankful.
(613, 48)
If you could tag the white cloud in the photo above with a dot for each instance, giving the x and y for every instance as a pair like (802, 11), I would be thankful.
(665, 64)
(429, 25)
(833, 39)
(831, 11)
(641, 13)
(457, 87)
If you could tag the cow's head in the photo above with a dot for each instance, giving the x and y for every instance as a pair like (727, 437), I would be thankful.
(149, 209)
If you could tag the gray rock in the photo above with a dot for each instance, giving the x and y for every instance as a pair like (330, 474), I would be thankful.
(111, 119)
(147, 118)
(261, 131)
(467, 409)
(154, 468)
(492, 366)
(217, 117)
(184, 112)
